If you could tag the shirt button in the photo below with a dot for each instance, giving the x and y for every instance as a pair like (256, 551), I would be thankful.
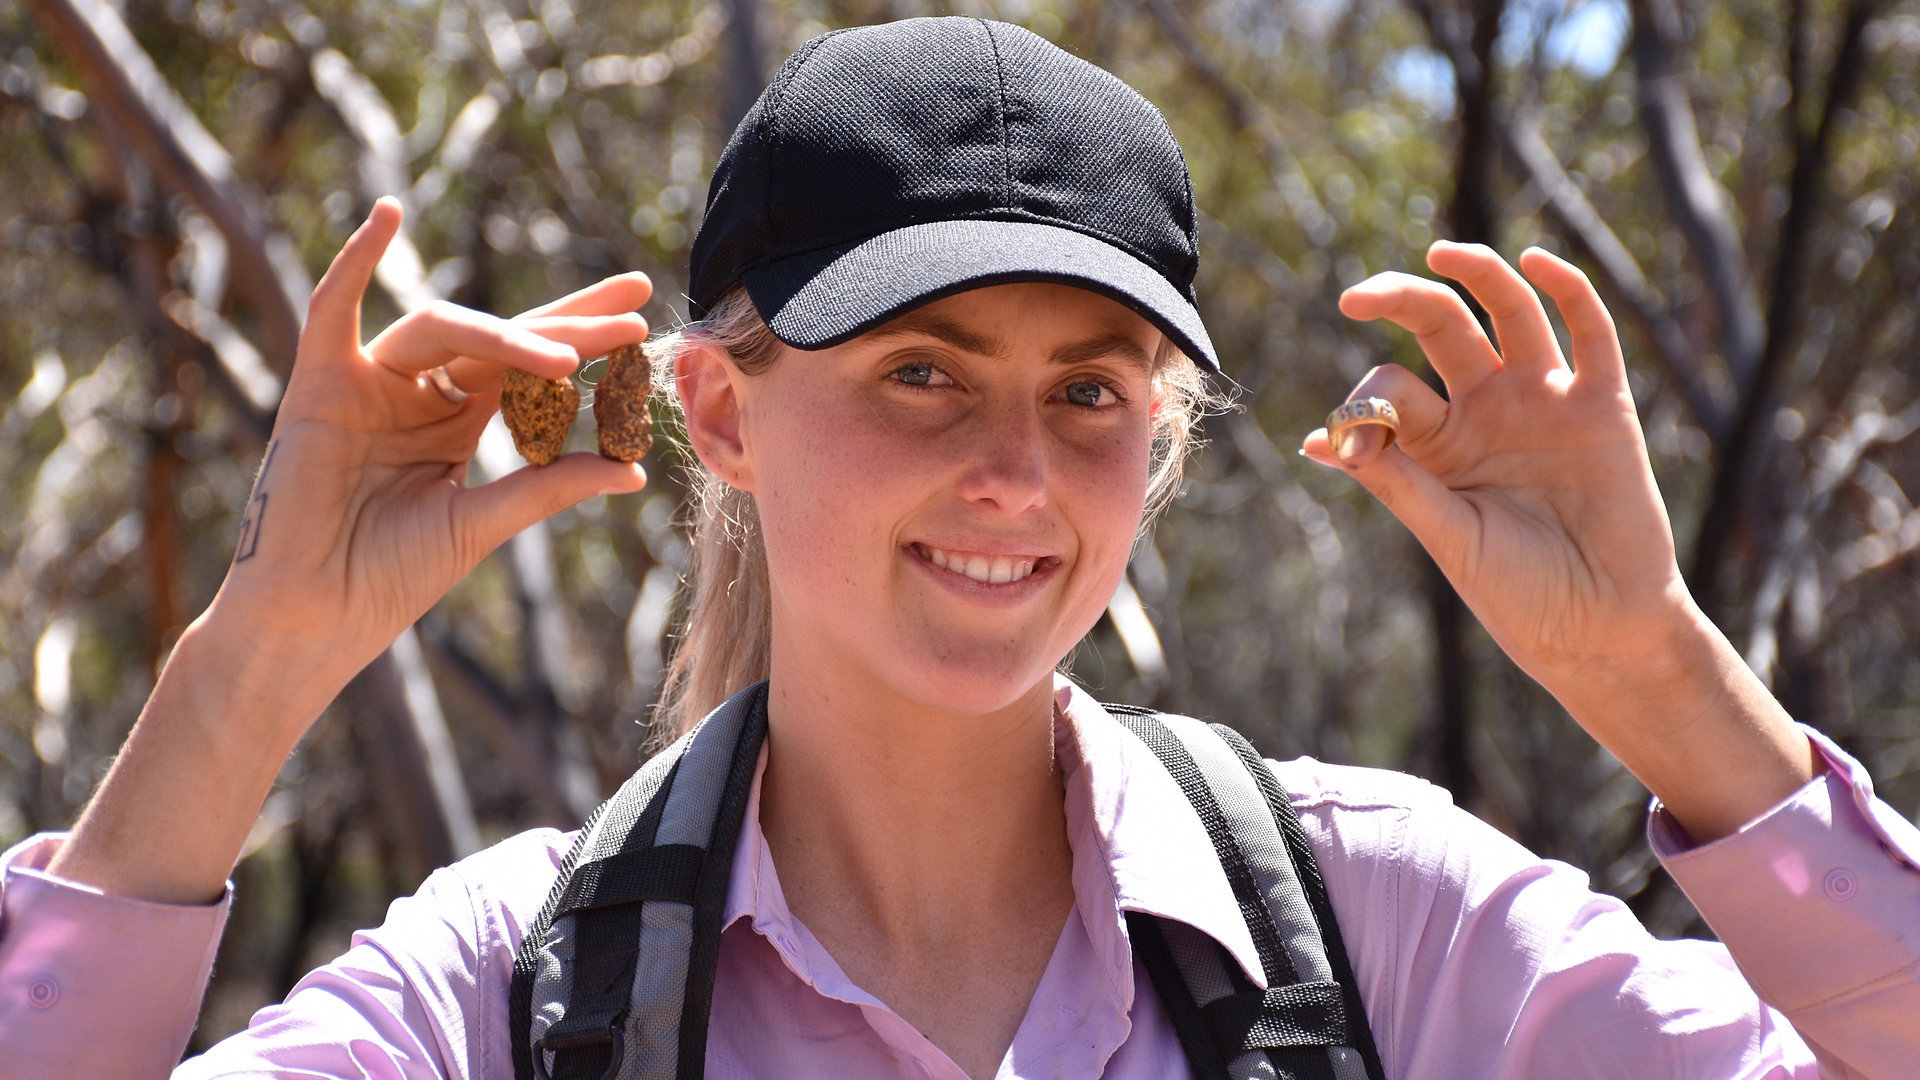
(43, 992)
(1841, 884)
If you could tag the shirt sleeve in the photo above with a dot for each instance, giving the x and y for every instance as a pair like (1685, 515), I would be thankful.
(1818, 900)
(93, 984)
(423, 996)
(1477, 958)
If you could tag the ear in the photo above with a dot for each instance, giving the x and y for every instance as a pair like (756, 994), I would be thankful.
(710, 386)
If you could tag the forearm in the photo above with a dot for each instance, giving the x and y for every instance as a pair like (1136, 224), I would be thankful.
(1694, 724)
(171, 817)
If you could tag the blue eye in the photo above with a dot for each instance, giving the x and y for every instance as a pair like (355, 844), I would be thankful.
(920, 375)
(1086, 393)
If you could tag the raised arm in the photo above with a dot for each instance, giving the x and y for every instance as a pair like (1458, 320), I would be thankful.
(1529, 484)
(360, 519)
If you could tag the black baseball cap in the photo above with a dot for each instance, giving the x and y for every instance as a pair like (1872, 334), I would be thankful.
(888, 166)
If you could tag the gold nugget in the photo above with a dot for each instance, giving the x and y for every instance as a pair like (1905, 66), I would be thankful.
(538, 413)
(620, 405)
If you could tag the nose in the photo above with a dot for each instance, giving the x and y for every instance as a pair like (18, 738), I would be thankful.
(1006, 455)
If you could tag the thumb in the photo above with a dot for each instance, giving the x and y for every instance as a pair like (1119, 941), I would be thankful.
(492, 513)
(1436, 514)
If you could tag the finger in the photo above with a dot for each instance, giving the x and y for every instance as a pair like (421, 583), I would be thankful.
(608, 296)
(438, 333)
(1422, 413)
(1447, 331)
(492, 513)
(333, 315)
(1526, 337)
(1597, 358)
(590, 336)
(1436, 515)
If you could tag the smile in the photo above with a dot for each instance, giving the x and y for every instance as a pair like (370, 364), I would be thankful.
(986, 569)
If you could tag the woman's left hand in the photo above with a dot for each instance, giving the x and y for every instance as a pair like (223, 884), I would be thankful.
(1528, 482)
(1529, 485)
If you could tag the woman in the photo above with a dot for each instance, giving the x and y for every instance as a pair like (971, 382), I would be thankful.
(946, 365)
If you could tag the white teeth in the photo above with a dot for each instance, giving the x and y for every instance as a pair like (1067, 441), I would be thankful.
(996, 570)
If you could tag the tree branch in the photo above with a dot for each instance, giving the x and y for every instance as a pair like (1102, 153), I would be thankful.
(1620, 275)
(170, 140)
(1252, 116)
(1694, 199)
(1731, 489)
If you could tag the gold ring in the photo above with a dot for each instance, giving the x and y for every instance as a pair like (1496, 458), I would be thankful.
(1353, 414)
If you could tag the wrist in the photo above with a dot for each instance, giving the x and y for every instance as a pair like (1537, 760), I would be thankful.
(174, 811)
(245, 681)
(1687, 716)
(1674, 654)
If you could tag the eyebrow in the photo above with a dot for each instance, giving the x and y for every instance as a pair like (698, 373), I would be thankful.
(947, 331)
(1117, 346)
(942, 330)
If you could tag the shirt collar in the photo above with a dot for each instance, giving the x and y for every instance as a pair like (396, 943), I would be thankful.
(1130, 822)
(1137, 845)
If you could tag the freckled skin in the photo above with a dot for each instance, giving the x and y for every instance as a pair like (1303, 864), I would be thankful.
(851, 465)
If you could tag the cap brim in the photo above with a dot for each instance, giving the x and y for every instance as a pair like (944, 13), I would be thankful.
(822, 298)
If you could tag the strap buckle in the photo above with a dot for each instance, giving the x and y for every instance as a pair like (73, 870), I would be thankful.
(611, 1037)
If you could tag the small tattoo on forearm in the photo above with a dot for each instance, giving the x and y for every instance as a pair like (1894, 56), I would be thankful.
(256, 511)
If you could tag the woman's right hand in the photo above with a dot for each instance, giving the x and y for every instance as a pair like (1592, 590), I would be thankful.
(360, 519)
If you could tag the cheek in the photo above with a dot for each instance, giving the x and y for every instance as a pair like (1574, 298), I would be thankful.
(1101, 486)
(825, 480)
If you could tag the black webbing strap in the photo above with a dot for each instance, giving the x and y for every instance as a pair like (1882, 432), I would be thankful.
(1279, 1017)
(520, 994)
(1275, 963)
(1359, 1034)
(667, 872)
(1288, 1062)
(586, 1042)
(710, 895)
(1150, 945)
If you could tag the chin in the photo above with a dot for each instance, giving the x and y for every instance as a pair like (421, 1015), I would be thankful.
(971, 678)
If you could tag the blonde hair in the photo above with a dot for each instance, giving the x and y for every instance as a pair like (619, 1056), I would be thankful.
(726, 638)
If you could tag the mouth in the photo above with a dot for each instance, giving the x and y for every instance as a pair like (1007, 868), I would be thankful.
(987, 569)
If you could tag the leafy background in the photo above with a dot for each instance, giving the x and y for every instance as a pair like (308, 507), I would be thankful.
(1739, 178)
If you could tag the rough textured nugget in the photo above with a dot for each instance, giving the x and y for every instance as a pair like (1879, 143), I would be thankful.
(538, 413)
(620, 405)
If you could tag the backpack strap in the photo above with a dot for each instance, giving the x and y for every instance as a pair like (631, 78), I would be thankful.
(1309, 1023)
(615, 975)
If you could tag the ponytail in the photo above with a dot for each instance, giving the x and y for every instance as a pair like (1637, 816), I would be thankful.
(726, 641)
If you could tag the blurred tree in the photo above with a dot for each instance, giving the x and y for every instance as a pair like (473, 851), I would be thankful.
(1738, 178)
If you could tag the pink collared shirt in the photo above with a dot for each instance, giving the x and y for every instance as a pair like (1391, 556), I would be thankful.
(1475, 959)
